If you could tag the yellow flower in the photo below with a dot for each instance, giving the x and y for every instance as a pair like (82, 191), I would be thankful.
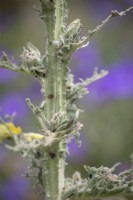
(7, 129)
(30, 136)
(15, 130)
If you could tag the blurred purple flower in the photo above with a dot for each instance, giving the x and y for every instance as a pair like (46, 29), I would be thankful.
(130, 2)
(14, 189)
(116, 85)
(34, 92)
(85, 60)
(78, 154)
(7, 76)
(14, 102)
(103, 9)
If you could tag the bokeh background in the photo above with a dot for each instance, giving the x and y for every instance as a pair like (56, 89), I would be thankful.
(107, 135)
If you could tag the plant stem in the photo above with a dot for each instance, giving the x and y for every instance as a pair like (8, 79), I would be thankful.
(54, 172)
(60, 65)
(54, 86)
(50, 79)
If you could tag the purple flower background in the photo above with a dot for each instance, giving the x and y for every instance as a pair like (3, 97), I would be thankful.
(108, 106)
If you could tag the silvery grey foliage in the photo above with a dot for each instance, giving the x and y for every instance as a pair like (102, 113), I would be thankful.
(58, 114)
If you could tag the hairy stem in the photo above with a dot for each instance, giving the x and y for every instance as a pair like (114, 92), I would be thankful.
(53, 172)
(54, 86)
